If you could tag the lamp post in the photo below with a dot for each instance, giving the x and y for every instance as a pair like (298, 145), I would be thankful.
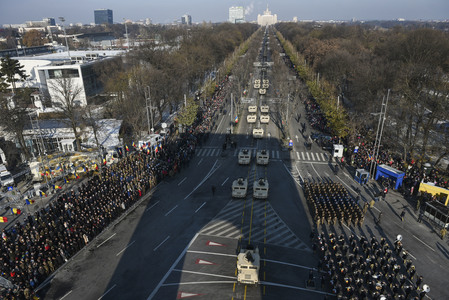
(65, 35)
(126, 32)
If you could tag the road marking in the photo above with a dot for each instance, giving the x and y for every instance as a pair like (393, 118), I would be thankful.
(423, 243)
(200, 207)
(299, 174)
(316, 171)
(151, 206)
(197, 282)
(66, 295)
(161, 243)
(107, 292)
(313, 156)
(308, 157)
(295, 287)
(201, 160)
(288, 264)
(106, 240)
(325, 173)
(322, 155)
(201, 273)
(171, 268)
(211, 253)
(303, 157)
(297, 154)
(171, 210)
(125, 248)
(351, 230)
(200, 261)
(224, 181)
(182, 181)
(182, 295)
(212, 171)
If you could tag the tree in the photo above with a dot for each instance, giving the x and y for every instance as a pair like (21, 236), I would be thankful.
(33, 38)
(66, 98)
(10, 68)
(188, 113)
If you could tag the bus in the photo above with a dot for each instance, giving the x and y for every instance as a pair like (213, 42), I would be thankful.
(262, 157)
(257, 133)
(244, 157)
(239, 188)
(264, 119)
(260, 189)
(251, 119)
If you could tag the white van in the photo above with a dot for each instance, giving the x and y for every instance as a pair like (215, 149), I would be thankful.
(152, 140)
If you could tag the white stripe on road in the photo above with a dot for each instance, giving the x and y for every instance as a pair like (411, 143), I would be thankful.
(125, 248)
(322, 155)
(199, 282)
(161, 243)
(313, 156)
(106, 240)
(200, 207)
(207, 274)
(171, 210)
(107, 292)
(201, 160)
(182, 181)
(308, 157)
(424, 243)
(151, 206)
(66, 295)
(297, 154)
(224, 181)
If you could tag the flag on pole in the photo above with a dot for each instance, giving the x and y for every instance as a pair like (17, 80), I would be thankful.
(42, 194)
(29, 201)
(104, 161)
(57, 187)
(16, 211)
(126, 147)
(3, 219)
(66, 180)
(134, 144)
(236, 119)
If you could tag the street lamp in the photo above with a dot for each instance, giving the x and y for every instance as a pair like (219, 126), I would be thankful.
(126, 32)
(65, 35)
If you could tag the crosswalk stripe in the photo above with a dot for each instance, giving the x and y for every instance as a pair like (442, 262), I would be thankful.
(272, 153)
(235, 234)
(277, 154)
(303, 157)
(292, 242)
(313, 156)
(289, 236)
(231, 206)
(218, 229)
(297, 154)
(235, 152)
(198, 153)
(308, 157)
(212, 153)
(322, 155)
(228, 229)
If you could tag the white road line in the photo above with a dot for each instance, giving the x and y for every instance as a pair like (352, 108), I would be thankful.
(198, 152)
(125, 248)
(315, 162)
(316, 171)
(198, 282)
(313, 156)
(327, 174)
(182, 181)
(272, 153)
(107, 292)
(277, 154)
(200, 207)
(308, 157)
(224, 181)
(288, 264)
(294, 287)
(297, 154)
(66, 295)
(424, 243)
(211, 253)
(171, 268)
(161, 243)
(212, 171)
(207, 274)
(201, 160)
(171, 210)
(303, 157)
(151, 206)
(299, 174)
(322, 155)
(351, 230)
(212, 152)
(106, 240)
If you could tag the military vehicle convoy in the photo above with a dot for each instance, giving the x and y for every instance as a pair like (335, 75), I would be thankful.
(239, 188)
(248, 265)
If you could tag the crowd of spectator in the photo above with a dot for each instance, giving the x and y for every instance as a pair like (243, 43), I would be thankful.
(33, 249)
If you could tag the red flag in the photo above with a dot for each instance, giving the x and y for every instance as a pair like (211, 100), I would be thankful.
(3, 219)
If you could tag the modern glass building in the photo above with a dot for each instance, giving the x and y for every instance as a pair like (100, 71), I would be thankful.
(103, 16)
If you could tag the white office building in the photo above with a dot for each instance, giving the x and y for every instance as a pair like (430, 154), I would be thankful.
(237, 14)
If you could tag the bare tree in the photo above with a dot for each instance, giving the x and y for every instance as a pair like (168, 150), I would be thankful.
(66, 94)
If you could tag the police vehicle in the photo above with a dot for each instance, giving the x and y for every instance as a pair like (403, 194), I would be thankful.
(262, 157)
(244, 157)
(239, 188)
(260, 189)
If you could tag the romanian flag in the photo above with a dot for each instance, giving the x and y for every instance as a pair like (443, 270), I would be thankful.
(126, 147)
(77, 176)
(134, 144)
(148, 150)
(96, 167)
(84, 169)
(66, 180)
(42, 194)
(3, 219)
(57, 187)
(104, 161)
(29, 201)
(16, 211)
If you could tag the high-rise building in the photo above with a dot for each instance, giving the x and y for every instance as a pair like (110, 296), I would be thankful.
(186, 20)
(103, 16)
(237, 14)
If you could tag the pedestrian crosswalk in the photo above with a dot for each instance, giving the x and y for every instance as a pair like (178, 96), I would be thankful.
(311, 156)
(214, 152)
(235, 221)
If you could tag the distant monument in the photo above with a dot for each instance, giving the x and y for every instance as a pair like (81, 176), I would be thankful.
(267, 18)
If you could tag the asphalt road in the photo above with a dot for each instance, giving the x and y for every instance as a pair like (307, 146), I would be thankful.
(181, 241)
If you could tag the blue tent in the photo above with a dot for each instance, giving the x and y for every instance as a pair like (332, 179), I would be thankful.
(393, 174)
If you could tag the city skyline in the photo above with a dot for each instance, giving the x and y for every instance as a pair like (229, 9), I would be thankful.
(16, 12)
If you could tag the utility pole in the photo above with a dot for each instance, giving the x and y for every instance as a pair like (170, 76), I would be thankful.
(149, 108)
(380, 128)
(65, 35)
(232, 114)
(126, 31)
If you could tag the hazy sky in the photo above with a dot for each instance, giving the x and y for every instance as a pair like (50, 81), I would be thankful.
(166, 11)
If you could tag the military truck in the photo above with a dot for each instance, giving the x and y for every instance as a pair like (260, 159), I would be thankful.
(239, 188)
(244, 157)
(248, 265)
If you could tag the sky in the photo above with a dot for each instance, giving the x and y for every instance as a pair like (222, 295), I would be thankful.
(167, 11)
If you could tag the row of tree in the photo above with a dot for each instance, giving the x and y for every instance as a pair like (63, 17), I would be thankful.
(363, 62)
